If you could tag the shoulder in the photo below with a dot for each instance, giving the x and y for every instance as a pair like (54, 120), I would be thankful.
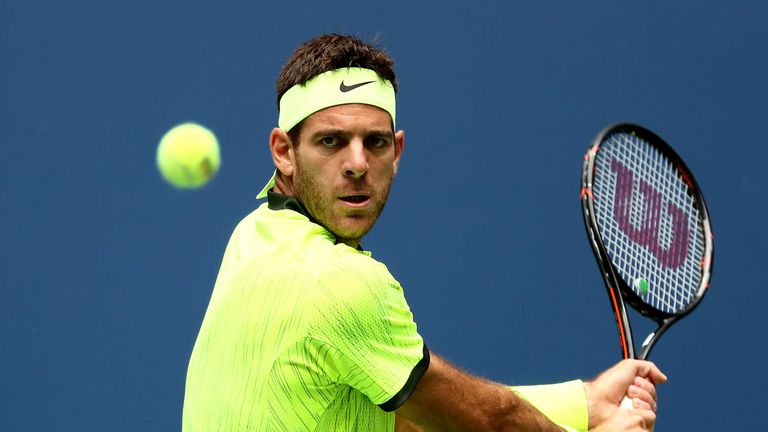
(356, 293)
(353, 270)
(280, 234)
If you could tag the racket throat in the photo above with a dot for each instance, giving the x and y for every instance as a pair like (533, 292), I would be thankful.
(650, 341)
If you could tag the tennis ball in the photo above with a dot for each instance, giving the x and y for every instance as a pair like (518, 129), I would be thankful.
(188, 156)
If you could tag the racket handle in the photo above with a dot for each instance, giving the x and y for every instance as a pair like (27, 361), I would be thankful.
(626, 404)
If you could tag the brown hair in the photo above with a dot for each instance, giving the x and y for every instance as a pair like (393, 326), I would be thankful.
(329, 52)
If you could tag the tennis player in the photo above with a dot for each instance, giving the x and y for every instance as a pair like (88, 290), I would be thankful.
(305, 331)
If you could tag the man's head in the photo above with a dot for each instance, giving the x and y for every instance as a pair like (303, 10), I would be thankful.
(330, 52)
(336, 149)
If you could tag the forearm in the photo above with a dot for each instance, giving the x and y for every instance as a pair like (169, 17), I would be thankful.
(404, 425)
(449, 399)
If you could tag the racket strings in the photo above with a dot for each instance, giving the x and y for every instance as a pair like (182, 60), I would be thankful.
(649, 222)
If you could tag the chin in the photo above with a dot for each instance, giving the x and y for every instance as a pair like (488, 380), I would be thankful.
(352, 232)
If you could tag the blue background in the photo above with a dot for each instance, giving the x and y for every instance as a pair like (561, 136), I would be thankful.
(105, 271)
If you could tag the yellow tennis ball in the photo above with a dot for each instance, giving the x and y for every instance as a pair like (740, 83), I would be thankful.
(188, 156)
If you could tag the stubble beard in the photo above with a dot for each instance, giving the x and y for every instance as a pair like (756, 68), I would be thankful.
(320, 204)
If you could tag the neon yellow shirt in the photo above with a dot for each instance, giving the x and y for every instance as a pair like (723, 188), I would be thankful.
(301, 334)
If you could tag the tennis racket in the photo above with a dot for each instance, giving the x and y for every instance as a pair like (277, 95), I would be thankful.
(649, 228)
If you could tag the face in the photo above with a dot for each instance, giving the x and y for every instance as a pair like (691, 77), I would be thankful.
(343, 166)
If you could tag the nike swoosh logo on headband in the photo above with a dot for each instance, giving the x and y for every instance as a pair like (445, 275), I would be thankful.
(345, 88)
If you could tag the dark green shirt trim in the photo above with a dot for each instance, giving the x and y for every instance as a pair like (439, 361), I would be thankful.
(410, 385)
(277, 201)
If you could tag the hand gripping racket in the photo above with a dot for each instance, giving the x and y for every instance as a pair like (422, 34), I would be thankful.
(648, 225)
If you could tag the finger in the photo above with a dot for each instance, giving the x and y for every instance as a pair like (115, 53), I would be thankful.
(642, 409)
(637, 419)
(640, 404)
(637, 392)
(649, 370)
(646, 386)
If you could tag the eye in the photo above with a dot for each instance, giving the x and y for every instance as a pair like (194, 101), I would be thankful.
(329, 141)
(377, 142)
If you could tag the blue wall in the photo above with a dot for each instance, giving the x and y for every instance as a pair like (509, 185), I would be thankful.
(105, 271)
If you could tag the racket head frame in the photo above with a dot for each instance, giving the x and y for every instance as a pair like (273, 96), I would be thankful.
(618, 289)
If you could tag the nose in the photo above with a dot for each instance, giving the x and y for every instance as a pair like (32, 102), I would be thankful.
(356, 161)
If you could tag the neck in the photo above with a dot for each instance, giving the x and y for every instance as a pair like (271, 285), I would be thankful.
(279, 200)
(349, 242)
(283, 186)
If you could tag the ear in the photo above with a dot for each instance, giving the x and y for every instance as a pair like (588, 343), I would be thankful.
(399, 143)
(283, 153)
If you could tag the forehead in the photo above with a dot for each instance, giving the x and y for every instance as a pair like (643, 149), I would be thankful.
(349, 116)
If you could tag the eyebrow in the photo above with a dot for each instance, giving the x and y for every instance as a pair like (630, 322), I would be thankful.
(386, 133)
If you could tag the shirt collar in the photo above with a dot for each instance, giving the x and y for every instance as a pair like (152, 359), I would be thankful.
(277, 201)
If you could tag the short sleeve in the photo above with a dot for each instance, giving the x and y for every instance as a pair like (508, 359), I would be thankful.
(360, 312)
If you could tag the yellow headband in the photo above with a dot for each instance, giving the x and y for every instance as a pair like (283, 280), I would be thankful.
(336, 87)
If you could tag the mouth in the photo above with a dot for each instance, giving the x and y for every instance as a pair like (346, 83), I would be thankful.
(356, 200)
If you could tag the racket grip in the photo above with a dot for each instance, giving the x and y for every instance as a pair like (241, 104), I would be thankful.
(626, 404)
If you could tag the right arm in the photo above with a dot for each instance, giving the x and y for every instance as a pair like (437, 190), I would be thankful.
(448, 399)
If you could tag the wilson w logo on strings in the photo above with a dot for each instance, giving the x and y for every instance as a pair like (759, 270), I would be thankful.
(652, 222)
